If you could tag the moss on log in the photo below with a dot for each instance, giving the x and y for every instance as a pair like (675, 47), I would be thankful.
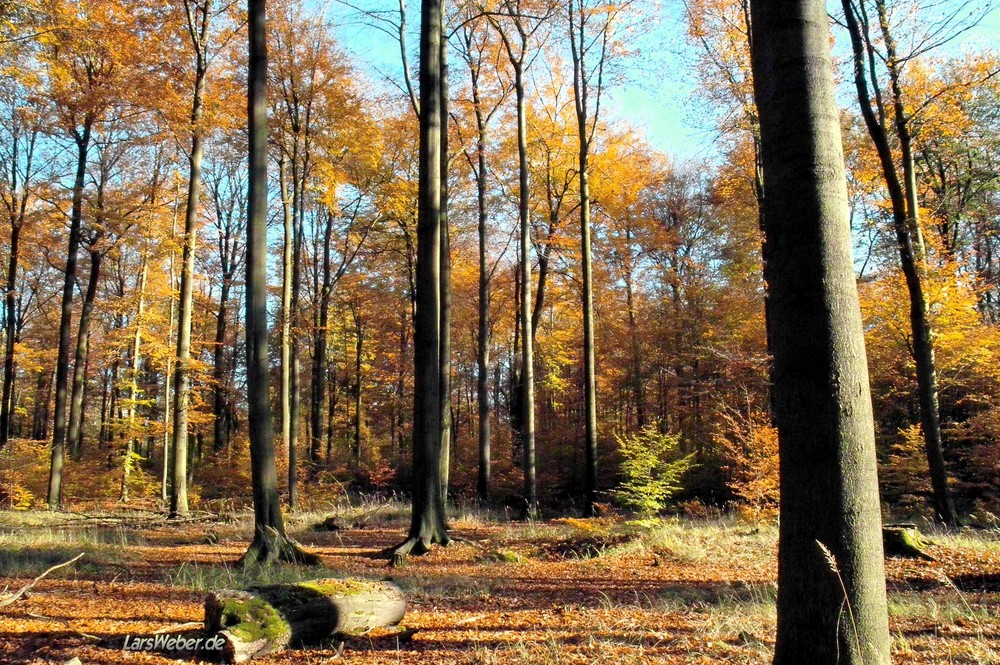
(905, 541)
(263, 620)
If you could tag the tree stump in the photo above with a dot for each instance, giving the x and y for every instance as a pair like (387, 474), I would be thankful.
(906, 541)
(263, 620)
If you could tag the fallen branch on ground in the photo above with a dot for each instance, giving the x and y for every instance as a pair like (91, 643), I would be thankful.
(10, 599)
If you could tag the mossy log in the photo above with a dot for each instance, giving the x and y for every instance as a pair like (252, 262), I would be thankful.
(263, 620)
(906, 541)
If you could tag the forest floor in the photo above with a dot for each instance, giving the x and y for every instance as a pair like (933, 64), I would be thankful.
(561, 591)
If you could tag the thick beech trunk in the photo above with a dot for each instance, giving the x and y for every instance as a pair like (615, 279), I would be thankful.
(270, 544)
(428, 520)
(831, 581)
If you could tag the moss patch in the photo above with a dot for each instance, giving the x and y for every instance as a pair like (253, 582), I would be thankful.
(254, 619)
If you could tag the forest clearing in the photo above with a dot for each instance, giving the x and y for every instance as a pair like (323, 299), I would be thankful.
(677, 590)
(337, 331)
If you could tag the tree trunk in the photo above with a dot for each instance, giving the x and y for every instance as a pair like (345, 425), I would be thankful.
(133, 393)
(270, 544)
(264, 620)
(359, 340)
(319, 360)
(75, 427)
(527, 420)
(428, 520)
(65, 321)
(220, 402)
(902, 196)
(445, 284)
(581, 93)
(10, 332)
(483, 340)
(286, 331)
(831, 582)
(182, 362)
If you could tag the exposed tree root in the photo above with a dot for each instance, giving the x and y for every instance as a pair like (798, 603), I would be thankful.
(270, 547)
(416, 546)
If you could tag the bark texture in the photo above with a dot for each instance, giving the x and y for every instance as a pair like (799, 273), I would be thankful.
(831, 582)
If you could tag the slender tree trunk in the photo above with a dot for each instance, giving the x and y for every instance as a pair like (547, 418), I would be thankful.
(65, 321)
(483, 341)
(527, 424)
(831, 582)
(10, 330)
(295, 382)
(320, 337)
(182, 367)
(133, 392)
(220, 400)
(182, 359)
(75, 427)
(286, 324)
(167, 374)
(445, 330)
(909, 241)
(359, 339)
(581, 93)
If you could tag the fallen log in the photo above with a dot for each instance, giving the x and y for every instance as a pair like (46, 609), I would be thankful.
(263, 620)
(905, 540)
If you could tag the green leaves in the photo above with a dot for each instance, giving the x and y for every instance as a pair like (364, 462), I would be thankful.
(652, 469)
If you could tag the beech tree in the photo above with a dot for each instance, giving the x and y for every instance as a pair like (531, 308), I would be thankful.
(428, 521)
(270, 544)
(829, 543)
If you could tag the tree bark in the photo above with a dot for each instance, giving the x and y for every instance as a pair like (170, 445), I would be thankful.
(65, 320)
(581, 93)
(909, 243)
(182, 361)
(270, 544)
(286, 332)
(527, 420)
(74, 430)
(483, 340)
(445, 285)
(428, 523)
(831, 582)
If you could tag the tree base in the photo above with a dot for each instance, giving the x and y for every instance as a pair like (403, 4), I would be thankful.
(270, 547)
(416, 546)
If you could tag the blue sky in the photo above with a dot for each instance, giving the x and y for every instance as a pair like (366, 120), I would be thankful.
(658, 94)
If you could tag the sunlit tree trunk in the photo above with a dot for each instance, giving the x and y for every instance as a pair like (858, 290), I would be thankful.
(445, 331)
(831, 582)
(74, 429)
(906, 225)
(82, 139)
(133, 391)
(286, 333)
(198, 29)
